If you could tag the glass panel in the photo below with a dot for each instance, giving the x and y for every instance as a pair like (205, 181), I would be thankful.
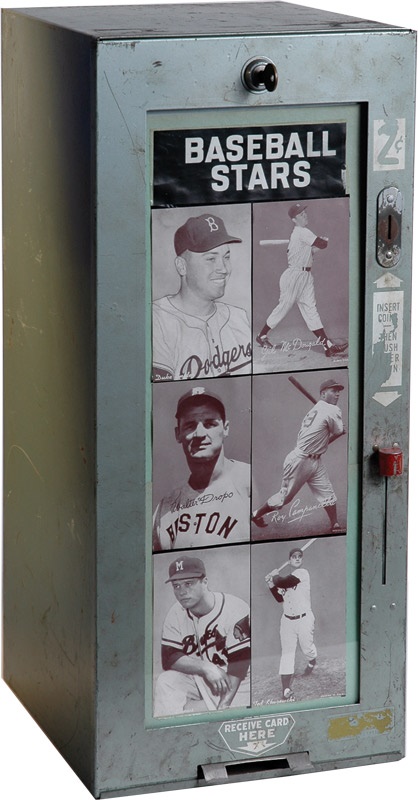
(255, 278)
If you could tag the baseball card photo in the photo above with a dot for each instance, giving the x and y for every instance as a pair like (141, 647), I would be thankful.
(202, 641)
(300, 284)
(201, 463)
(201, 291)
(299, 454)
(298, 606)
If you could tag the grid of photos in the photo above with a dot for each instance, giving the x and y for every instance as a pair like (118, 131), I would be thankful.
(250, 422)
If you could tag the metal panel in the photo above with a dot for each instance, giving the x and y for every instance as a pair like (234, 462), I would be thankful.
(137, 75)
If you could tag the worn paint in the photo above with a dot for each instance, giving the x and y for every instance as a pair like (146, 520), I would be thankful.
(361, 724)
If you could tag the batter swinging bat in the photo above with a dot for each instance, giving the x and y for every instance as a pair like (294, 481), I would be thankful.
(279, 569)
(302, 389)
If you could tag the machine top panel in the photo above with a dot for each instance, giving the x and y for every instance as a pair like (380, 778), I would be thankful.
(207, 19)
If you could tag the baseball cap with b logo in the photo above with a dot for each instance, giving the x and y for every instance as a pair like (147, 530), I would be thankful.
(203, 233)
(184, 568)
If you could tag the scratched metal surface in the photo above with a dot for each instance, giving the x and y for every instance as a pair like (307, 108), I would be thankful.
(103, 714)
(208, 19)
(361, 68)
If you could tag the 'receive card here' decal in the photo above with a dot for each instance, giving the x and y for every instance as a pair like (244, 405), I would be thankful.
(257, 735)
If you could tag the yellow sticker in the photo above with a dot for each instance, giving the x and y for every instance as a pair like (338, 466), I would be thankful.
(358, 724)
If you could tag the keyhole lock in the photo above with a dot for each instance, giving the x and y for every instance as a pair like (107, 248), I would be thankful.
(389, 225)
(260, 75)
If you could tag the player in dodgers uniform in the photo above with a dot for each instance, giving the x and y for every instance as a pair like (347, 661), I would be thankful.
(297, 622)
(297, 284)
(194, 334)
(205, 645)
(213, 507)
(321, 426)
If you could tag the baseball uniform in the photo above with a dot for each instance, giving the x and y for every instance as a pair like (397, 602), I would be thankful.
(219, 514)
(214, 637)
(296, 283)
(297, 622)
(189, 347)
(304, 464)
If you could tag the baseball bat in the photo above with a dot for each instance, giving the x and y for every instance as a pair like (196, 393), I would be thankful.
(265, 242)
(302, 389)
(304, 547)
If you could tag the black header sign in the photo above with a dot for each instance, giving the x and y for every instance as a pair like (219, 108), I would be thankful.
(249, 164)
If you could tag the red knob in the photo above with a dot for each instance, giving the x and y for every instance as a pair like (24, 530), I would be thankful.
(390, 461)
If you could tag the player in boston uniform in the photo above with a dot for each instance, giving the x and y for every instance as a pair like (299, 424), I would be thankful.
(194, 333)
(297, 284)
(213, 507)
(321, 426)
(297, 622)
(205, 645)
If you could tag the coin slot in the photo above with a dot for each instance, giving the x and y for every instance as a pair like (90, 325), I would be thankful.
(389, 223)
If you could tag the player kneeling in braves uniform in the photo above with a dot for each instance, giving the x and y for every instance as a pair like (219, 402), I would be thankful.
(205, 645)
(213, 507)
(297, 284)
(297, 622)
(321, 426)
(194, 334)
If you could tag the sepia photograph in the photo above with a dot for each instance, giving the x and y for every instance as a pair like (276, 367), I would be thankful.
(202, 638)
(300, 284)
(201, 463)
(299, 442)
(201, 290)
(298, 605)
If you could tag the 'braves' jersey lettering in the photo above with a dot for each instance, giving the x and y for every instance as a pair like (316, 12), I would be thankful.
(189, 518)
(211, 636)
(185, 346)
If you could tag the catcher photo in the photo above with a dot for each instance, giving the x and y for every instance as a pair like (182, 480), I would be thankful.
(201, 290)
(202, 647)
(299, 455)
(300, 284)
(201, 463)
(298, 606)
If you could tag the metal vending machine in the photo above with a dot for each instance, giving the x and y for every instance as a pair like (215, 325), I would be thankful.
(207, 272)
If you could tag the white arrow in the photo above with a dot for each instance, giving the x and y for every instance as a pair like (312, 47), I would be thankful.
(388, 281)
(386, 398)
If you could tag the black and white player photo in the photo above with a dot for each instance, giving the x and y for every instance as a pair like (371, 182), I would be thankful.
(202, 647)
(201, 463)
(300, 284)
(299, 466)
(201, 290)
(298, 605)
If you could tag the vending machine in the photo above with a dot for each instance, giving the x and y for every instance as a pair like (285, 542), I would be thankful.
(207, 299)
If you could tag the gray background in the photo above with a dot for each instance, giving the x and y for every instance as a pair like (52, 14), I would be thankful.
(325, 561)
(326, 217)
(278, 412)
(227, 570)
(237, 219)
(170, 468)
